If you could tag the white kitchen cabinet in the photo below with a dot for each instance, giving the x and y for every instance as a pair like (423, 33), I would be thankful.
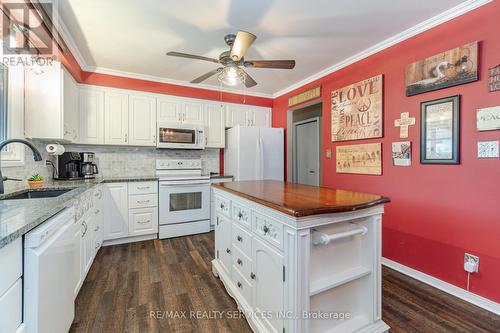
(51, 104)
(143, 221)
(236, 114)
(87, 250)
(193, 112)
(91, 108)
(259, 117)
(116, 118)
(98, 229)
(223, 242)
(11, 299)
(11, 304)
(268, 288)
(169, 110)
(142, 120)
(214, 123)
(116, 211)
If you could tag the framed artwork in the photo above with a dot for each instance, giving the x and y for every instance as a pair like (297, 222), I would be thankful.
(446, 69)
(488, 119)
(401, 153)
(494, 79)
(360, 159)
(440, 131)
(357, 111)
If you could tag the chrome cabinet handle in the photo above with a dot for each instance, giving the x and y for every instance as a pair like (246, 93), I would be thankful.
(142, 201)
(265, 229)
(240, 215)
(97, 211)
(240, 262)
(222, 206)
(143, 187)
(228, 251)
(240, 239)
(240, 285)
(97, 245)
(85, 227)
(144, 222)
(252, 276)
(96, 228)
(126, 137)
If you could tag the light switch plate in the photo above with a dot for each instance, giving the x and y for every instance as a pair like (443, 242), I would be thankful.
(487, 149)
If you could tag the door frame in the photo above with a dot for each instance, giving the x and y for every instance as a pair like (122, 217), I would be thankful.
(294, 148)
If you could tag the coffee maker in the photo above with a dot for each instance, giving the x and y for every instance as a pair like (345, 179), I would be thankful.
(68, 166)
(88, 169)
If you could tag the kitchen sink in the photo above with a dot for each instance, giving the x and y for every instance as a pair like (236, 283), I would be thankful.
(37, 194)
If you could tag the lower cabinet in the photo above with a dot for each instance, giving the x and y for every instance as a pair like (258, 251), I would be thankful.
(223, 241)
(11, 288)
(130, 210)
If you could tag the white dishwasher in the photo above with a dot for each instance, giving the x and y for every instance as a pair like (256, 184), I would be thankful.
(49, 253)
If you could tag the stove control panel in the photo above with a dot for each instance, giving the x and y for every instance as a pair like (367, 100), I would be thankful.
(178, 164)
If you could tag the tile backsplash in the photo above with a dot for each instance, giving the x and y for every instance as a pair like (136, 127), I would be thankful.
(112, 161)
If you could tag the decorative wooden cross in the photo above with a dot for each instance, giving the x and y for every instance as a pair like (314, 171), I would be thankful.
(403, 123)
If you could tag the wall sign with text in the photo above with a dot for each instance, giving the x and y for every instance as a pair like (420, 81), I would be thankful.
(357, 110)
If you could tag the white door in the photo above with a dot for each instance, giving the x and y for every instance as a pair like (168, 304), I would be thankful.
(260, 117)
(306, 152)
(267, 265)
(236, 115)
(143, 221)
(142, 118)
(91, 116)
(223, 241)
(116, 118)
(272, 150)
(169, 110)
(193, 113)
(214, 135)
(116, 212)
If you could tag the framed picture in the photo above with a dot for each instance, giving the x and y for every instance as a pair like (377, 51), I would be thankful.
(364, 159)
(401, 153)
(440, 131)
(488, 119)
(443, 70)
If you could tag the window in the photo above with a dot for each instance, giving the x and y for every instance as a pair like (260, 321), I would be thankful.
(3, 102)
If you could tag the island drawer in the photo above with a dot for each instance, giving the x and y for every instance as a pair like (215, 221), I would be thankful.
(142, 201)
(242, 215)
(223, 206)
(268, 229)
(142, 187)
(242, 239)
(242, 262)
(243, 285)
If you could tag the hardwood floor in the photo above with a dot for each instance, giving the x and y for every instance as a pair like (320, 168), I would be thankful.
(168, 286)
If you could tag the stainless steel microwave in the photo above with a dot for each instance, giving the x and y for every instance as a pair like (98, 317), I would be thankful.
(180, 136)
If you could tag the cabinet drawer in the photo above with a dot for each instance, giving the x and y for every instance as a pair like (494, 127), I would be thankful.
(143, 221)
(242, 215)
(11, 308)
(242, 239)
(142, 200)
(142, 187)
(268, 229)
(243, 285)
(242, 262)
(223, 206)
(11, 263)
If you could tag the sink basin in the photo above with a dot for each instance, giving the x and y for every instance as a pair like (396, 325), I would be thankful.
(31, 194)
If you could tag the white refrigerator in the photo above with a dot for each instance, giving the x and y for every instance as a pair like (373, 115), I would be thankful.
(254, 153)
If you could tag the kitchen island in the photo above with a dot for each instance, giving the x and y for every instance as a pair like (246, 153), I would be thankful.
(300, 258)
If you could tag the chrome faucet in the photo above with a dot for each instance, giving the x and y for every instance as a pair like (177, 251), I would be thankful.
(36, 156)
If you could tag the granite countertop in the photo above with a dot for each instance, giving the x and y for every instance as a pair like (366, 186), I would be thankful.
(18, 216)
(301, 200)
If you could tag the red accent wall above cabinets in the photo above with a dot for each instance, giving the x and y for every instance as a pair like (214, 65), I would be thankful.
(437, 212)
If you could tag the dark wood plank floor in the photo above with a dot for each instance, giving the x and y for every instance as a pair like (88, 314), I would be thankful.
(139, 287)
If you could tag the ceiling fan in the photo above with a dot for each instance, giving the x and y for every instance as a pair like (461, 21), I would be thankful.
(231, 73)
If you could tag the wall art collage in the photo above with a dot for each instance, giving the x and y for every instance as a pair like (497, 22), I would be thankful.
(357, 114)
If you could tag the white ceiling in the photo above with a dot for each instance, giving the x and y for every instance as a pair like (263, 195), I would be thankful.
(131, 37)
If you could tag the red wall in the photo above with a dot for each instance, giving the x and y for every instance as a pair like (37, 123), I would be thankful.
(437, 212)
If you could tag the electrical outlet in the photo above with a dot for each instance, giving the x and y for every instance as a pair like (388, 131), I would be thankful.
(469, 258)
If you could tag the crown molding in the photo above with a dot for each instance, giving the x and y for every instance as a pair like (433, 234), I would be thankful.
(445, 16)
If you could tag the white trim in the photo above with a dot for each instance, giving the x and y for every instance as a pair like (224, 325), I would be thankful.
(444, 286)
(445, 16)
(441, 18)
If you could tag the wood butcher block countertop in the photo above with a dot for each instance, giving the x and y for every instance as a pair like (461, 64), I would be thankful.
(301, 200)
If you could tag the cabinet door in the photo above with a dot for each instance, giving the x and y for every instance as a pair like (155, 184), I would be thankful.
(116, 211)
(142, 119)
(70, 107)
(143, 221)
(193, 113)
(215, 135)
(267, 265)
(91, 116)
(223, 242)
(260, 117)
(236, 115)
(88, 239)
(116, 118)
(169, 110)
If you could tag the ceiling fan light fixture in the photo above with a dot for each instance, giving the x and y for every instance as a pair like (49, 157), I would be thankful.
(231, 76)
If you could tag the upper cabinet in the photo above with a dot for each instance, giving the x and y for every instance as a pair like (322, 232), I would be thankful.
(247, 115)
(142, 120)
(214, 124)
(116, 118)
(193, 112)
(169, 110)
(51, 104)
(91, 115)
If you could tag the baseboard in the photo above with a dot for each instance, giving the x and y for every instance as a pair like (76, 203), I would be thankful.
(444, 286)
(129, 239)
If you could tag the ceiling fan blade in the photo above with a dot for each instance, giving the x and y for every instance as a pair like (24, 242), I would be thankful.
(249, 81)
(280, 64)
(206, 75)
(241, 44)
(191, 56)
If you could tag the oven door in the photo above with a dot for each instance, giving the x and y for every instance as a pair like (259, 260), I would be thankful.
(180, 137)
(184, 201)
